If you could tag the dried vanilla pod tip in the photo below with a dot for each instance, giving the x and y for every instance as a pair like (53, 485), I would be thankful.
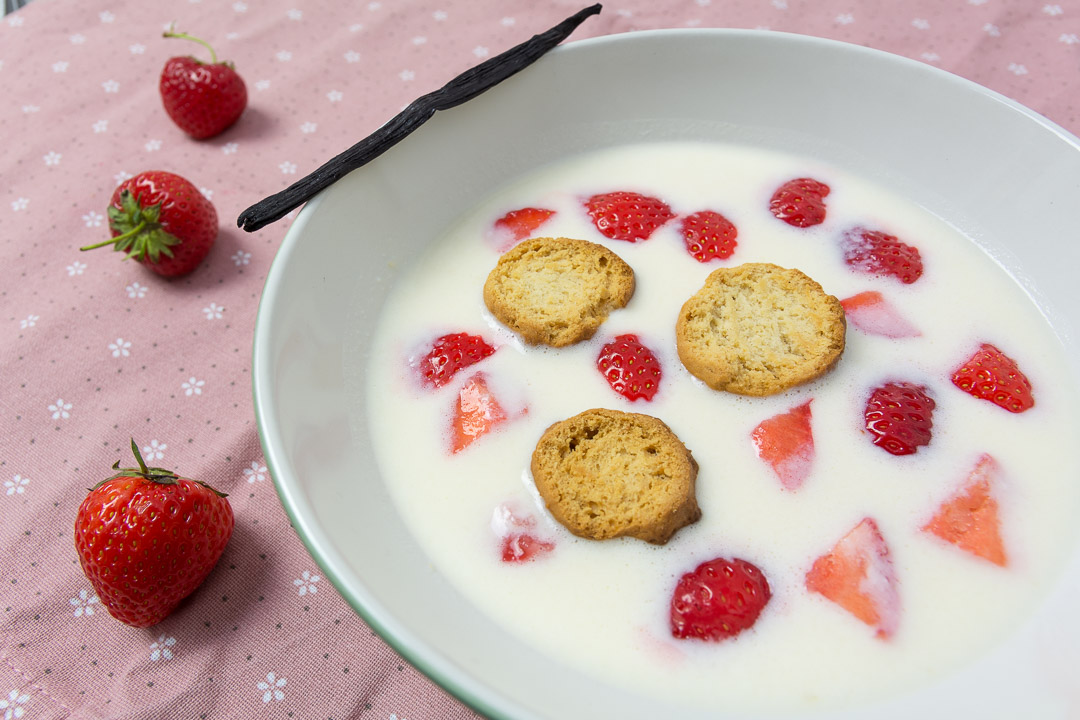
(461, 89)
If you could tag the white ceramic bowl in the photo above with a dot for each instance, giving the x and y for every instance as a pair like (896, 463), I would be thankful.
(1003, 175)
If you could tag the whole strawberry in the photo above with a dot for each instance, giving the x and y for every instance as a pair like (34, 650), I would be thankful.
(163, 221)
(147, 538)
(203, 99)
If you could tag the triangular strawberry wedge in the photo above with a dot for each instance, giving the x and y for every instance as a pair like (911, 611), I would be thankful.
(858, 575)
(517, 225)
(475, 414)
(786, 443)
(969, 519)
(871, 313)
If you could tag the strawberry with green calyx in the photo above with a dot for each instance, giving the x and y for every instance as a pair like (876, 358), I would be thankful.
(161, 220)
(203, 99)
(147, 538)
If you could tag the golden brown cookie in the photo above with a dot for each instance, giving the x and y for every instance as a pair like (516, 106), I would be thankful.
(557, 291)
(759, 329)
(607, 474)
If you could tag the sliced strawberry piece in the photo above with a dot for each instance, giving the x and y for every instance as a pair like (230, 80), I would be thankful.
(992, 375)
(858, 575)
(899, 416)
(718, 600)
(870, 312)
(786, 443)
(876, 253)
(523, 547)
(517, 225)
(449, 355)
(630, 368)
(519, 540)
(709, 236)
(969, 519)
(476, 413)
(627, 216)
(800, 202)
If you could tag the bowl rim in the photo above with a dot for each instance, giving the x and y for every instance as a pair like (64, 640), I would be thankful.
(482, 698)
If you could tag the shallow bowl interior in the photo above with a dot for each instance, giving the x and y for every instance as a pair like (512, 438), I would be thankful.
(1004, 176)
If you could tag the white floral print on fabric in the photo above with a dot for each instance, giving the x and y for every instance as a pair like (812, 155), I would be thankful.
(16, 485)
(13, 704)
(191, 386)
(255, 473)
(84, 603)
(306, 583)
(271, 688)
(161, 649)
(60, 410)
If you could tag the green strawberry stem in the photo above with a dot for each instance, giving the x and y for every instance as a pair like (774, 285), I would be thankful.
(142, 236)
(161, 476)
(170, 34)
(119, 238)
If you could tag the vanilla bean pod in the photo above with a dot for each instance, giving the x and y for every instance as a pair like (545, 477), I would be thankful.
(462, 88)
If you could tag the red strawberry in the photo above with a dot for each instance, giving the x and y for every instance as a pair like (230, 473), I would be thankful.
(786, 443)
(163, 221)
(969, 519)
(800, 202)
(519, 224)
(870, 312)
(876, 253)
(523, 547)
(857, 574)
(519, 540)
(709, 236)
(630, 368)
(899, 415)
(147, 539)
(992, 375)
(449, 355)
(627, 215)
(718, 600)
(203, 99)
(476, 413)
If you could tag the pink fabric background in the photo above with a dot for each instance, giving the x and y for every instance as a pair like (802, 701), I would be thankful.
(94, 351)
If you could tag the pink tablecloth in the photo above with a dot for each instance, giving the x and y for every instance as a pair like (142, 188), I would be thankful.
(94, 351)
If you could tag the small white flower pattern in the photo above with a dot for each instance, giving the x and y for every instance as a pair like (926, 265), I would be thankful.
(120, 348)
(255, 473)
(84, 604)
(241, 257)
(136, 290)
(335, 96)
(60, 66)
(213, 311)
(28, 322)
(13, 705)
(16, 485)
(110, 86)
(271, 688)
(20, 204)
(60, 410)
(306, 583)
(191, 386)
(230, 148)
(93, 219)
(154, 451)
(287, 168)
(76, 268)
(161, 649)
